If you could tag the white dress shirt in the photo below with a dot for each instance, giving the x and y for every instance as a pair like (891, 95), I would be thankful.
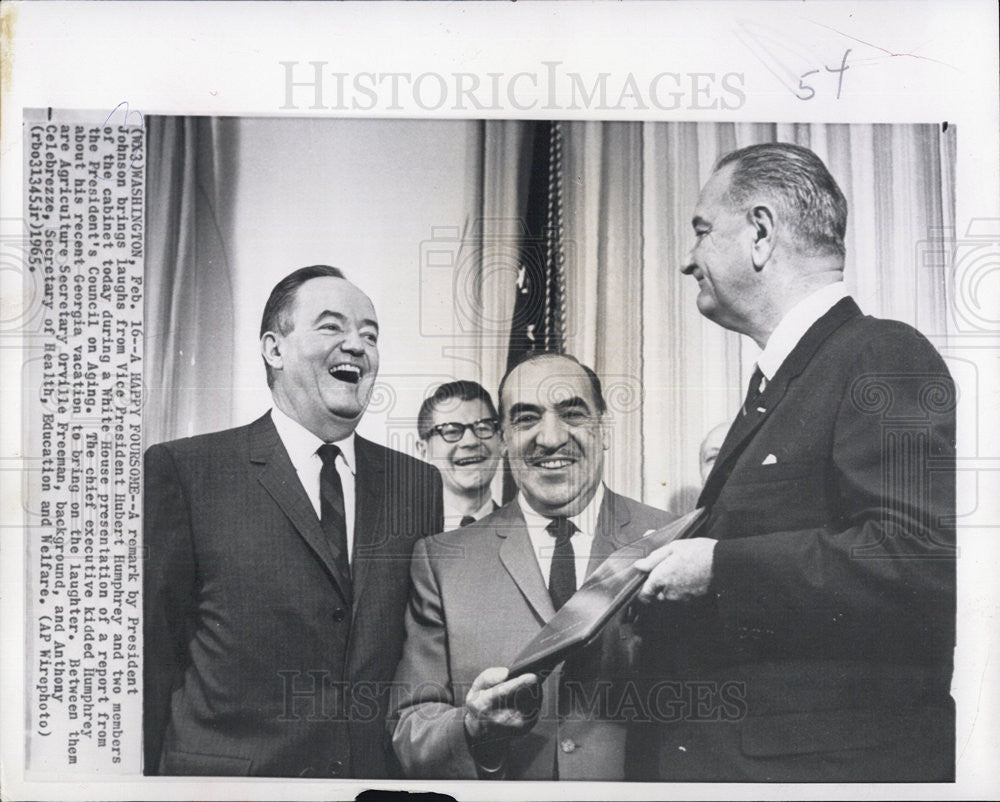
(794, 325)
(453, 518)
(301, 445)
(583, 539)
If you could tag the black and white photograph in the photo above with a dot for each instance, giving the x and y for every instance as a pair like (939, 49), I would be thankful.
(822, 579)
(439, 428)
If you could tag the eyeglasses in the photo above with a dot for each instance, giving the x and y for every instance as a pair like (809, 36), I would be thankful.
(453, 432)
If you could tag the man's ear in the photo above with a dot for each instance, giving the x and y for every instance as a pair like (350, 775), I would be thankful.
(422, 449)
(270, 350)
(761, 217)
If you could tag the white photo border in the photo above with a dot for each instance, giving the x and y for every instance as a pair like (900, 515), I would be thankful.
(933, 61)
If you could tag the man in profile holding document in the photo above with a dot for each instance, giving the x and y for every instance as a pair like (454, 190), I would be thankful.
(482, 593)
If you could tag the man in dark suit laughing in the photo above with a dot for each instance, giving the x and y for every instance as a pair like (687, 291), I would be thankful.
(824, 583)
(278, 560)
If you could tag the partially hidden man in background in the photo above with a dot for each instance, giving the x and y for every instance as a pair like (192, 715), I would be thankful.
(824, 585)
(277, 561)
(482, 592)
(459, 435)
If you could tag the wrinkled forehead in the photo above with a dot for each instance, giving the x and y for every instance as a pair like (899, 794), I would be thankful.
(454, 410)
(336, 295)
(713, 193)
(547, 382)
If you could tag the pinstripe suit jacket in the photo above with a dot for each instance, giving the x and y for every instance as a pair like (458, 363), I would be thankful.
(254, 661)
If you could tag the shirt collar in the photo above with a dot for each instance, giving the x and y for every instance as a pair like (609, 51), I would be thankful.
(482, 512)
(301, 444)
(585, 520)
(795, 324)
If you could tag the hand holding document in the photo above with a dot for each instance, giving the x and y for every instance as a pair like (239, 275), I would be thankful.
(497, 704)
(497, 708)
(615, 582)
(678, 571)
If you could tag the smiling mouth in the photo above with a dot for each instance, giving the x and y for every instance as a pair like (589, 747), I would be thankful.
(346, 372)
(469, 460)
(552, 463)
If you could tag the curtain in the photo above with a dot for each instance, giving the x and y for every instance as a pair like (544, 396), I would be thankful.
(506, 171)
(188, 294)
(672, 375)
(605, 282)
(628, 191)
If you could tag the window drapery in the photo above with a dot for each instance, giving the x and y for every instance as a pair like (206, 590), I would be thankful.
(670, 375)
(628, 191)
(188, 293)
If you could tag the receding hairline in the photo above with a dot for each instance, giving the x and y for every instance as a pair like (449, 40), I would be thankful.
(794, 181)
(595, 401)
(723, 193)
(543, 357)
(285, 313)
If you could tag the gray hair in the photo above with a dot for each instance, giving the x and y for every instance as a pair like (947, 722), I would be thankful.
(800, 186)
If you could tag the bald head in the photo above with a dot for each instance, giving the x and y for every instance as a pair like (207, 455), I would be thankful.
(710, 448)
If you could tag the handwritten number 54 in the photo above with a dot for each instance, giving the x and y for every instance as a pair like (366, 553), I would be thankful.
(804, 87)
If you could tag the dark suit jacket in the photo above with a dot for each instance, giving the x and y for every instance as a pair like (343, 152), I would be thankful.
(478, 598)
(254, 662)
(830, 619)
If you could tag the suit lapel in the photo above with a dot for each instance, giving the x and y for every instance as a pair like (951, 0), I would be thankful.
(517, 554)
(611, 531)
(369, 483)
(740, 433)
(279, 478)
(518, 558)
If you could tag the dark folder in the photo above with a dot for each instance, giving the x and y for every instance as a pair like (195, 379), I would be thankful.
(609, 588)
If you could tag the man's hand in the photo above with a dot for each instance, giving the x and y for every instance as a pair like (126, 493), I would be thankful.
(496, 707)
(678, 571)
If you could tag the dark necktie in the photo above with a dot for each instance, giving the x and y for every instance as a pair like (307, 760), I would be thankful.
(332, 517)
(466, 520)
(562, 572)
(753, 389)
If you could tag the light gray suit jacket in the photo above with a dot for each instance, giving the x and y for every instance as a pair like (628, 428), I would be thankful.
(478, 597)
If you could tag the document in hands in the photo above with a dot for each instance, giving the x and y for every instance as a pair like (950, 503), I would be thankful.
(607, 590)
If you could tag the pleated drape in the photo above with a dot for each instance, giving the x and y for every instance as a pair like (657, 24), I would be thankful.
(188, 350)
(671, 374)
(628, 192)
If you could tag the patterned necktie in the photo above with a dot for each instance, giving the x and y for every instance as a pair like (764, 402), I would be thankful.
(332, 517)
(753, 389)
(466, 520)
(562, 572)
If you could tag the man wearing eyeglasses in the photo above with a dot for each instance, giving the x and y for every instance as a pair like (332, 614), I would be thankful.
(481, 593)
(459, 430)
